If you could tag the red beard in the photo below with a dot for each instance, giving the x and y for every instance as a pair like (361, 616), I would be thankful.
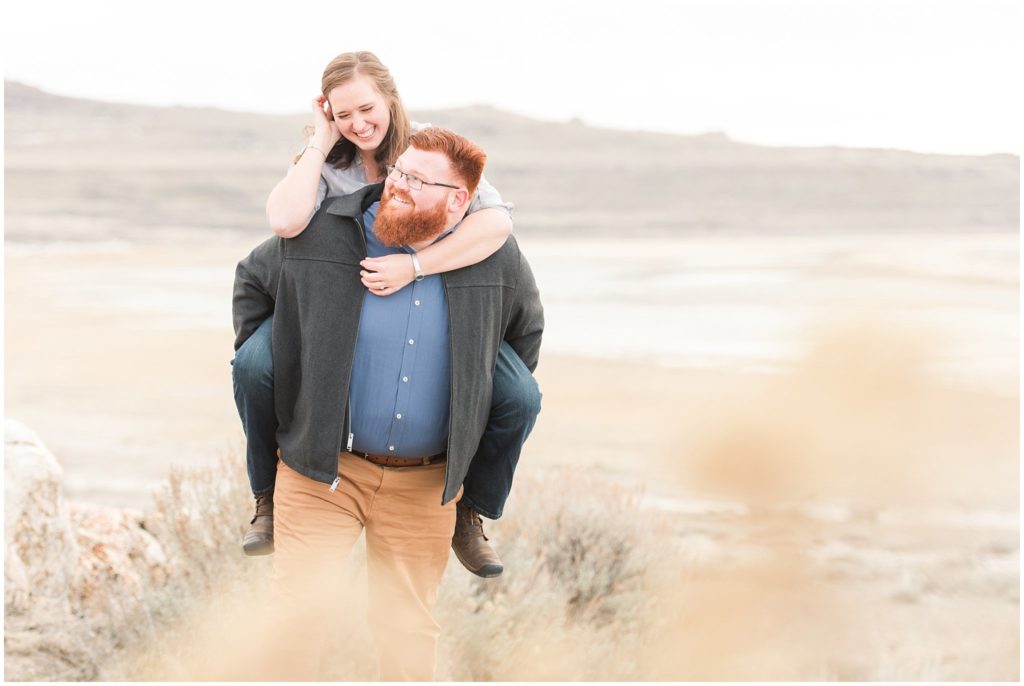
(397, 227)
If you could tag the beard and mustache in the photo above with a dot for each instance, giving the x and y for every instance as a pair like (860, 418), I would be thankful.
(397, 227)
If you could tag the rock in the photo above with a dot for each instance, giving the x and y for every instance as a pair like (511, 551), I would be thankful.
(119, 560)
(65, 558)
(39, 542)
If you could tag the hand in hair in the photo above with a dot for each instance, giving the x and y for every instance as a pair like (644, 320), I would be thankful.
(325, 131)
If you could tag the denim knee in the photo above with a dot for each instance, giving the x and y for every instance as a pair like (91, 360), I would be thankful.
(253, 366)
(520, 398)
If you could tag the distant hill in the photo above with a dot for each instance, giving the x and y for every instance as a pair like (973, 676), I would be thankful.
(84, 169)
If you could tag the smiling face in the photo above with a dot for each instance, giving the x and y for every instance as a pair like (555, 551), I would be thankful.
(408, 216)
(360, 112)
(428, 166)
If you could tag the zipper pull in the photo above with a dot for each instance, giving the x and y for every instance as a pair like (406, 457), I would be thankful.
(334, 486)
(348, 446)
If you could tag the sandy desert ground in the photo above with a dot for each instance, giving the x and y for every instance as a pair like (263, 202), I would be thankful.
(895, 436)
(118, 354)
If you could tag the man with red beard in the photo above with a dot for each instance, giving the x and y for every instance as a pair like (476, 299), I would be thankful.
(381, 402)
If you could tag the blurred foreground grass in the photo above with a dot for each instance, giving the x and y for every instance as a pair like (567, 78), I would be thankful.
(852, 519)
(579, 566)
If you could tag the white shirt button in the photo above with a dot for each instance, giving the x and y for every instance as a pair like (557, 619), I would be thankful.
(417, 303)
(391, 448)
(411, 341)
(405, 379)
(398, 416)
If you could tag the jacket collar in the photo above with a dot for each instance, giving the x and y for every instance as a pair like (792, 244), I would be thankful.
(354, 204)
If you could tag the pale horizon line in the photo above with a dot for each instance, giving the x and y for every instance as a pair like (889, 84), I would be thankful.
(577, 119)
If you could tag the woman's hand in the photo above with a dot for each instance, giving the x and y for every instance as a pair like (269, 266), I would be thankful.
(325, 131)
(388, 274)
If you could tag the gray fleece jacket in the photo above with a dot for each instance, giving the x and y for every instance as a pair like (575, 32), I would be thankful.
(311, 285)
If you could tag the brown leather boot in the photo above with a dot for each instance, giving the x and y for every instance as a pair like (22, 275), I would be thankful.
(470, 544)
(259, 539)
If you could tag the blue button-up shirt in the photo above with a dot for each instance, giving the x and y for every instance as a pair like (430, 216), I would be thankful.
(400, 391)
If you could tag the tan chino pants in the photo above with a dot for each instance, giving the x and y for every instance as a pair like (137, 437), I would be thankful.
(408, 539)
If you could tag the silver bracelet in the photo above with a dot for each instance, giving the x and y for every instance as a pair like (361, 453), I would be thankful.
(416, 267)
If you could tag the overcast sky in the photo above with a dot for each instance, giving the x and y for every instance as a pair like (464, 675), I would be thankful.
(913, 75)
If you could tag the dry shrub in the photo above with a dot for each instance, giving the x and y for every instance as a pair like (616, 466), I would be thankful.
(599, 587)
(860, 420)
(139, 575)
(766, 619)
(859, 423)
(575, 602)
(199, 517)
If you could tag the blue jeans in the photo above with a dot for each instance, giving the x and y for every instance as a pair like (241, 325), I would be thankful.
(515, 404)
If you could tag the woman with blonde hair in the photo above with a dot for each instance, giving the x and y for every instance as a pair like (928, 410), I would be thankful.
(360, 127)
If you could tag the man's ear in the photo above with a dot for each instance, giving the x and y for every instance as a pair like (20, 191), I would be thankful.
(459, 200)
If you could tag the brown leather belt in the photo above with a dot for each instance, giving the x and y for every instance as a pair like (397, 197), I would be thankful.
(390, 461)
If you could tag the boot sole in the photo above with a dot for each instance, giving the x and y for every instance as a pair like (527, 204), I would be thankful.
(485, 572)
(260, 548)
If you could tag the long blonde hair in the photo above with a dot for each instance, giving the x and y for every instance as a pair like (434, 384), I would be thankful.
(343, 69)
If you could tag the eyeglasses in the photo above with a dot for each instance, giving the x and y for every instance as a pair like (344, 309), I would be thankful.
(415, 182)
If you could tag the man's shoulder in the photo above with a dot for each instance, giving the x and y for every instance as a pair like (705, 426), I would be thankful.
(509, 253)
(508, 256)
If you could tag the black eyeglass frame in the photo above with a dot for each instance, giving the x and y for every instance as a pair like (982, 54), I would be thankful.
(391, 169)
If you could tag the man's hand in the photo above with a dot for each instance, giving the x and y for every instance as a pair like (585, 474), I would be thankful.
(388, 274)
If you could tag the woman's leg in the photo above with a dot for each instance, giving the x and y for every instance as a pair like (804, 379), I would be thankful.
(252, 375)
(515, 404)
